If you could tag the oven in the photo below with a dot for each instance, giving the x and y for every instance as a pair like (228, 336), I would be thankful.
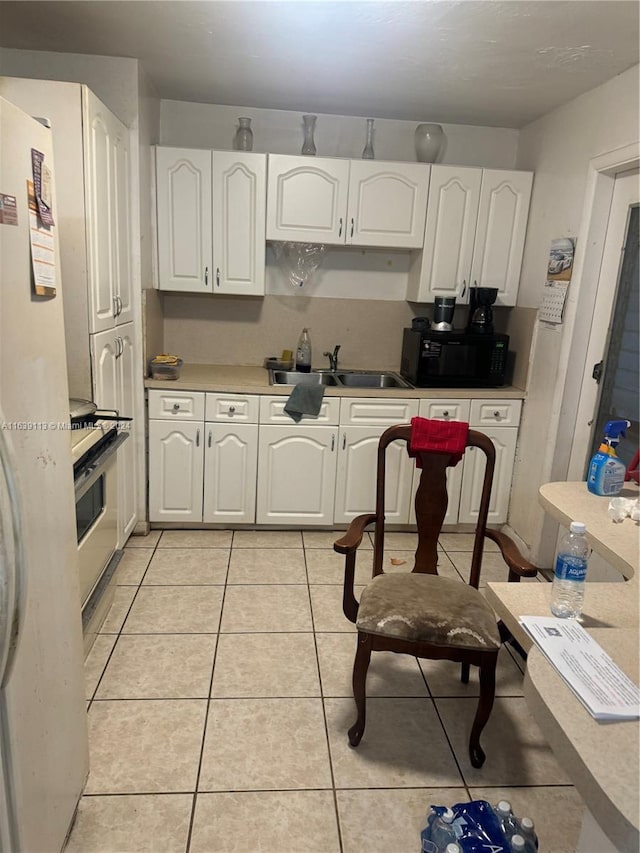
(94, 453)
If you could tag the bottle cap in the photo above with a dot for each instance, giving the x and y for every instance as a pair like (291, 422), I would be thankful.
(527, 823)
(578, 527)
(517, 843)
(448, 816)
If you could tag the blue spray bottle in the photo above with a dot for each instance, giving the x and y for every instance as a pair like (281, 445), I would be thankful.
(606, 471)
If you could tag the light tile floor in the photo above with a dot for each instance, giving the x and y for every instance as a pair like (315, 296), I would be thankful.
(219, 696)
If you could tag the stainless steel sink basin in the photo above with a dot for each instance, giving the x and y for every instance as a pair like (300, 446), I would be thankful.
(371, 379)
(342, 379)
(292, 377)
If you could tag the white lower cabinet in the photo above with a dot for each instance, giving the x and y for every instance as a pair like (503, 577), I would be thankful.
(176, 466)
(230, 470)
(504, 440)
(296, 474)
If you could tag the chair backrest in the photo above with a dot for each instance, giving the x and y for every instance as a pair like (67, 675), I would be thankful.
(431, 502)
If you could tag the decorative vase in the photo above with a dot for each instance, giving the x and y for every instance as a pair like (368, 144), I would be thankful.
(309, 146)
(243, 140)
(367, 152)
(429, 140)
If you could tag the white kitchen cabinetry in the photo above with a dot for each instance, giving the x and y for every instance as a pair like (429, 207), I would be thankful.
(452, 215)
(211, 221)
(108, 222)
(230, 458)
(340, 202)
(176, 465)
(183, 199)
(474, 234)
(362, 422)
(115, 364)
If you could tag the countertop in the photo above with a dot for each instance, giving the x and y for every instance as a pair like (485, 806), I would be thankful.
(250, 379)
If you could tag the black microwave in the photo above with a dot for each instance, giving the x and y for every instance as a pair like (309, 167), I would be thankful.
(454, 359)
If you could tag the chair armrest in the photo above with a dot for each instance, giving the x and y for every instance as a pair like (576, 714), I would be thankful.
(519, 566)
(353, 537)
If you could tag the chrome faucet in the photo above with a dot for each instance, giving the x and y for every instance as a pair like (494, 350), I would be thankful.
(333, 358)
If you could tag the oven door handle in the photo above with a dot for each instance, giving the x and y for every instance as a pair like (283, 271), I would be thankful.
(11, 584)
(88, 476)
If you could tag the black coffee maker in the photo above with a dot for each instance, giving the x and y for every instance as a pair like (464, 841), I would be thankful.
(480, 311)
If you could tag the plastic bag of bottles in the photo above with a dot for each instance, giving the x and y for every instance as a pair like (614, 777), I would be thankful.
(476, 827)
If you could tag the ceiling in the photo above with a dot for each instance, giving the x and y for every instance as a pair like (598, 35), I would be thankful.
(486, 62)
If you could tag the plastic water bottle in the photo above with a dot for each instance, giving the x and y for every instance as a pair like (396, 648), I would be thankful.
(528, 832)
(303, 352)
(442, 831)
(508, 822)
(567, 594)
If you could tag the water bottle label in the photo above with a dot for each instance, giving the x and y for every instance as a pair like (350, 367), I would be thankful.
(570, 568)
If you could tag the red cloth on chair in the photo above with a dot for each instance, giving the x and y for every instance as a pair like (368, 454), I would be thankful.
(438, 437)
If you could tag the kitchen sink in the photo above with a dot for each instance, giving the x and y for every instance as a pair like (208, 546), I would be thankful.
(293, 377)
(341, 379)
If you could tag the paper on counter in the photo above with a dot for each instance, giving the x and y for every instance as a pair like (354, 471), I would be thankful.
(598, 682)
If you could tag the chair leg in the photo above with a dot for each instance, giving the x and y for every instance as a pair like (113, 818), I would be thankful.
(359, 679)
(485, 704)
(464, 673)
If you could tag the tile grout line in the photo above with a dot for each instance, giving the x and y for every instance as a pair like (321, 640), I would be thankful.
(206, 715)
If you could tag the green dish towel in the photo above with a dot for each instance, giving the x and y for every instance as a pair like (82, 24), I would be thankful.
(304, 400)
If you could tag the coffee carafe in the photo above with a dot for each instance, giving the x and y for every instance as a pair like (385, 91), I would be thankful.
(480, 311)
(443, 309)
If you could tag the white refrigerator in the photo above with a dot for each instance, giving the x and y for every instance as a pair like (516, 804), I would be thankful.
(44, 758)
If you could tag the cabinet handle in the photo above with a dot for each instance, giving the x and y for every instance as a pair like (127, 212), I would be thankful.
(209, 440)
(352, 226)
(340, 227)
(217, 276)
(445, 414)
(120, 346)
(496, 414)
(232, 409)
(119, 300)
(206, 276)
(333, 442)
(344, 441)
(464, 288)
(198, 437)
(115, 306)
(176, 407)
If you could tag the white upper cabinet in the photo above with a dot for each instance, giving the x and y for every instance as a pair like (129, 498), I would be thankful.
(307, 199)
(183, 193)
(352, 202)
(452, 212)
(502, 225)
(387, 204)
(211, 220)
(474, 234)
(107, 205)
(239, 187)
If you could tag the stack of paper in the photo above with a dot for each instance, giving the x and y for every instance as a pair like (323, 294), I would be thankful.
(598, 682)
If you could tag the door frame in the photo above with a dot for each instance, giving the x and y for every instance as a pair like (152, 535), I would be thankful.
(580, 310)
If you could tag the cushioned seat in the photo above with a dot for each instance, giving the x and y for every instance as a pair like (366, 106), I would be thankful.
(428, 609)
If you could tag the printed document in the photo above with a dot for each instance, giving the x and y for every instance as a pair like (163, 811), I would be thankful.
(598, 682)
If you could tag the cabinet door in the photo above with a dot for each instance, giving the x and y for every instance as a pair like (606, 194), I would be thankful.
(230, 469)
(356, 476)
(99, 198)
(307, 199)
(105, 347)
(387, 204)
(123, 290)
(452, 211)
(504, 440)
(183, 193)
(127, 366)
(500, 233)
(239, 202)
(176, 463)
(296, 474)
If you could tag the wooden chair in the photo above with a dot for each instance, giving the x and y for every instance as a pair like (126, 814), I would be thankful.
(420, 613)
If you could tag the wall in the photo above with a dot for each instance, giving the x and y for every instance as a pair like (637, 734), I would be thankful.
(558, 147)
(192, 125)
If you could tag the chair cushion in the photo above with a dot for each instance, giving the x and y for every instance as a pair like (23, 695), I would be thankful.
(425, 608)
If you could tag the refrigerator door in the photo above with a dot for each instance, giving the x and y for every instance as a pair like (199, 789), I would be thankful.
(43, 741)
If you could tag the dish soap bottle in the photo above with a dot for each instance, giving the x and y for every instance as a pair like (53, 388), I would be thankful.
(303, 352)
(606, 471)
